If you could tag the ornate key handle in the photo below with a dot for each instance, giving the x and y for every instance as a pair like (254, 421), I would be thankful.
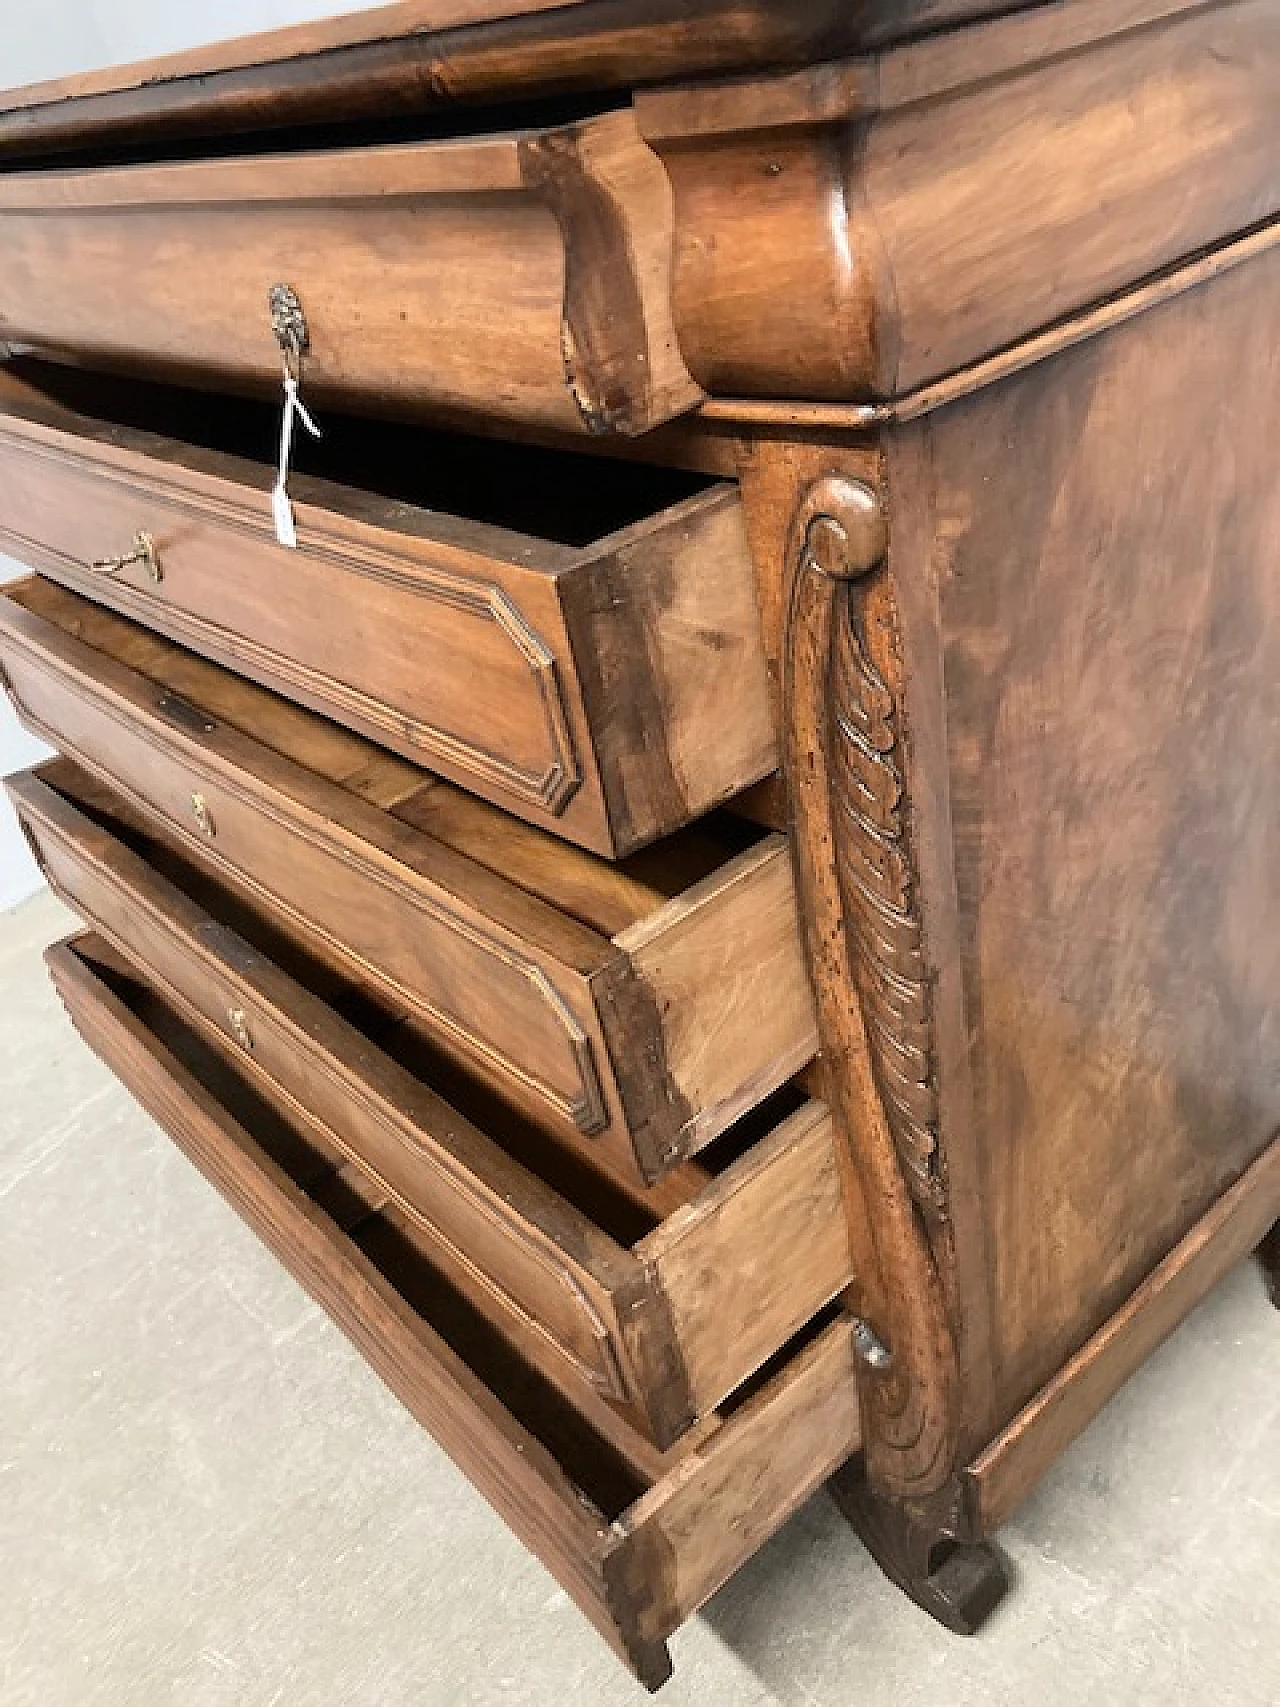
(289, 323)
(144, 551)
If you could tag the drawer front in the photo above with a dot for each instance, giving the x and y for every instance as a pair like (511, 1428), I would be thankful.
(460, 652)
(525, 277)
(664, 1331)
(639, 1551)
(500, 1006)
(642, 1048)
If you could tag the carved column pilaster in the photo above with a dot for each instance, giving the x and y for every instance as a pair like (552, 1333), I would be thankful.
(839, 671)
(833, 624)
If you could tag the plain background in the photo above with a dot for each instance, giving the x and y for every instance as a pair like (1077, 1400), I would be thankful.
(54, 38)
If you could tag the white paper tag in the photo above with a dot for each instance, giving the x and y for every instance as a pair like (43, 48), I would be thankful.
(281, 508)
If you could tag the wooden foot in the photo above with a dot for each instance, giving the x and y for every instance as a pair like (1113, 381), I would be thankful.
(959, 1584)
(1269, 1257)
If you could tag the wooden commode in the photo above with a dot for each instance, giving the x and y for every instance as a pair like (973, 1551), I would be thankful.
(700, 863)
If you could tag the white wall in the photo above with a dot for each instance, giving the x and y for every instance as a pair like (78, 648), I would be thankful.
(54, 38)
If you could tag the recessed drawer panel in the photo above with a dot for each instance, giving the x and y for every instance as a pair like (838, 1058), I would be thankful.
(663, 1315)
(525, 276)
(579, 643)
(638, 1010)
(638, 1540)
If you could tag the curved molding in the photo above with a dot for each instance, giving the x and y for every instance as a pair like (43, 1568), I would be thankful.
(846, 772)
(550, 788)
(904, 216)
(586, 1111)
(295, 1042)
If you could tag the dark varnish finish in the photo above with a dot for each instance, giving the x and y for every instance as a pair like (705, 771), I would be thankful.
(425, 56)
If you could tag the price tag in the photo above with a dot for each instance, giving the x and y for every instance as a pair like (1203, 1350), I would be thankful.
(286, 527)
(281, 508)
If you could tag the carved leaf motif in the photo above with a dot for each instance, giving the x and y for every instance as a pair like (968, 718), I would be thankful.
(878, 888)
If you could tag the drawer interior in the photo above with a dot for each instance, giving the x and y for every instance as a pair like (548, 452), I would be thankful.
(605, 895)
(662, 1301)
(363, 467)
(639, 1540)
(626, 1212)
(639, 1008)
(372, 129)
(611, 1474)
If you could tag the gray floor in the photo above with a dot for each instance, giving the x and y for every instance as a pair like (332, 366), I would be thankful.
(206, 1500)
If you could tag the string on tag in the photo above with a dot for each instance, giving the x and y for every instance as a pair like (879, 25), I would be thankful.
(294, 409)
(289, 324)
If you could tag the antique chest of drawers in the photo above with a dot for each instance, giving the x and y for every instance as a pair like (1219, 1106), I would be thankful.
(663, 631)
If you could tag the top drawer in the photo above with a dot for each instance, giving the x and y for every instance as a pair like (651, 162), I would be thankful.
(524, 276)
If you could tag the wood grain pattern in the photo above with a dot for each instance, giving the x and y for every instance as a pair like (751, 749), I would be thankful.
(980, 300)
(637, 1564)
(552, 1012)
(1016, 1460)
(727, 414)
(523, 275)
(417, 56)
(756, 1256)
(834, 577)
(637, 1326)
(738, 932)
(894, 227)
(681, 1541)
(1110, 628)
(612, 756)
(819, 539)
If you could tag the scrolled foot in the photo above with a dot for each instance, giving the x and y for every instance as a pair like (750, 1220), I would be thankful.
(1269, 1257)
(959, 1584)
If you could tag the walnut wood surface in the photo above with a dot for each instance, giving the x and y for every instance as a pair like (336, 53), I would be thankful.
(602, 664)
(637, 1560)
(666, 1330)
(1008, 1471)
(422, 55)
(829, 628)
(1025, 750)
(637, 1067)
(522, 275)
(992, 311)
(1105, 598)
(860, 230)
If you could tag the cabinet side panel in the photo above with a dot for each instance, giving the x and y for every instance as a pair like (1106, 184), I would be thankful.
(1107, 541)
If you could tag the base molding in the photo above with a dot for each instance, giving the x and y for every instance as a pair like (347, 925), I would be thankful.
(1245, 1219)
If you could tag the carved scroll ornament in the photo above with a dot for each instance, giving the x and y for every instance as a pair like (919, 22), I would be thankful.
(872, 845)
(847, 768)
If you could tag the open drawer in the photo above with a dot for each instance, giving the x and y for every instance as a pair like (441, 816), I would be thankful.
(638, 1541)
(662, 1314)
(638, 1009)
(574, 638)
(524, 276)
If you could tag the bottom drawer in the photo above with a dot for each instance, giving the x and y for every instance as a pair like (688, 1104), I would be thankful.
(639, 1539)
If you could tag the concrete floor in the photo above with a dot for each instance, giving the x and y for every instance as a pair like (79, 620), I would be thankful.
(207, 1501)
